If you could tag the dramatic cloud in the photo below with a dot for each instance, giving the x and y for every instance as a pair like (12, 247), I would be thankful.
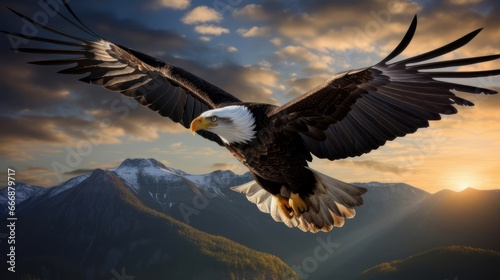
(278, 51)
(188, 152)
(211, 30)
(173, 4)
(37, 176)
(315, 63)
(78, 172)
(253, 12)
(202, 14)
(248, 83)
(379, 166)
(236, 168)
(21, 137)
(298, 86)
(176, 145)
(33, 131)
(254, 31)
(140, 37)
(260, 76)
(276, 41)
(205, 39)
(232, 49)
(465, 2)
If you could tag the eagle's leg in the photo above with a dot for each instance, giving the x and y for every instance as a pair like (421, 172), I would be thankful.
(297, 204)
(283, 205)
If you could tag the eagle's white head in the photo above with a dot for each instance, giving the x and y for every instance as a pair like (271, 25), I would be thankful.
(233, 124)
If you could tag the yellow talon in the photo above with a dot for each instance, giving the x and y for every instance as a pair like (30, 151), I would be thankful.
(297, 204)
(284, 206)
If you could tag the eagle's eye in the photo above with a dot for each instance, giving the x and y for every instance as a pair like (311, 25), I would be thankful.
(214, 118)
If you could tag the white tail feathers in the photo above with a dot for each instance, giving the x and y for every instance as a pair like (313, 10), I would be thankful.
(331, 203)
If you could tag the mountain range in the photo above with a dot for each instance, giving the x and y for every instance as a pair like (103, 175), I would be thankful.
(152, 221)
(99, 226)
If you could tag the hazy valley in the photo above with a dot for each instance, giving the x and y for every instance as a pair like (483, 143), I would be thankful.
(149, 221)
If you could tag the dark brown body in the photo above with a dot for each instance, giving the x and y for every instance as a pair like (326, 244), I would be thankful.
(274, 158)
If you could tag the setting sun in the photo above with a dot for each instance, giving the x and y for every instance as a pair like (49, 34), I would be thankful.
(460, 181)
(462, 186)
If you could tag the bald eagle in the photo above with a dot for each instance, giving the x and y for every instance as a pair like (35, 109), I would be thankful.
(350, 114)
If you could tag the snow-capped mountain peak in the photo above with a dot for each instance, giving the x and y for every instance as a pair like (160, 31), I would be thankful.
(141, 163)
(139, 172)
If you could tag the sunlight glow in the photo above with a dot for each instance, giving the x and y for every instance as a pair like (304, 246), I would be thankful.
(463, 180)
(462, 185)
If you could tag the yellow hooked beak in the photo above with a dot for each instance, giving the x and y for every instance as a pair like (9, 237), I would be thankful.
(201, 123)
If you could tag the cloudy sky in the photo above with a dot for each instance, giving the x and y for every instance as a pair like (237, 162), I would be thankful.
(55, 127)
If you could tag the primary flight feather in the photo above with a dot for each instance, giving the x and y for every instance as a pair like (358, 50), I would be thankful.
(351, 114)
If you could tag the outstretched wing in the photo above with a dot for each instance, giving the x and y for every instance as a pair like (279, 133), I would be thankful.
(357, 111)
(169, 90)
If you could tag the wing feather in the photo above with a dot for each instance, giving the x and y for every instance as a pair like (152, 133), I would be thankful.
(439, 51)
(367, 129)
(360, 110)
(454, 63)
(169, 90)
